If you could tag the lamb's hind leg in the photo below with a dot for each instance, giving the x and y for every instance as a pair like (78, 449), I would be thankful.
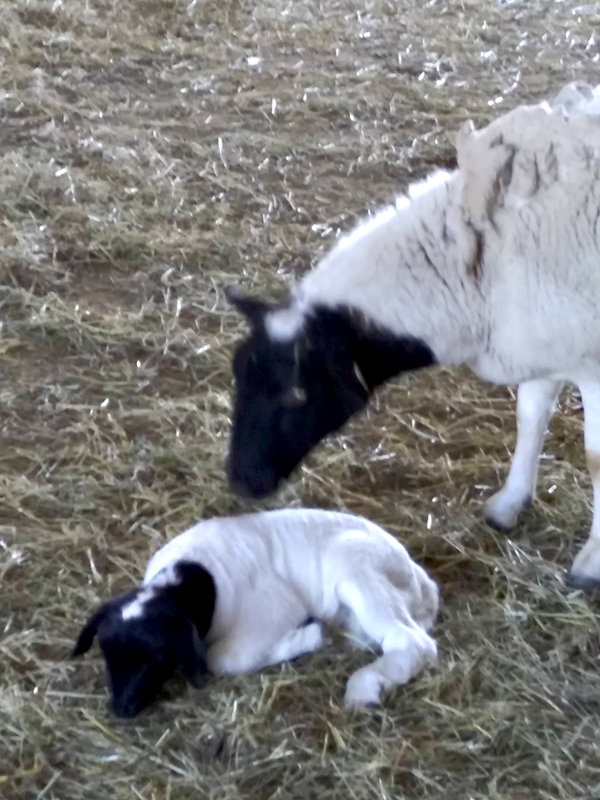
(535, 404)
(585, 572)
(381, 613)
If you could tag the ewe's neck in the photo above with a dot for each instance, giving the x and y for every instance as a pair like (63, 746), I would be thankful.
(405, 271)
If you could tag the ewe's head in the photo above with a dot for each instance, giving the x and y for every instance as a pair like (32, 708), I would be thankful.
(147, 634)
(296, 380)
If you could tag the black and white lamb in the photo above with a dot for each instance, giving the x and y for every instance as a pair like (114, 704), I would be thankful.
(236, 594)
(495, 265)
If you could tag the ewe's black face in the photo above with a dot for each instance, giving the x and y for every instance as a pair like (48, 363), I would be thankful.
(288, 396)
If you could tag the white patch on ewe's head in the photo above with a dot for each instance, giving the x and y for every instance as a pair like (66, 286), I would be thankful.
(135, 609)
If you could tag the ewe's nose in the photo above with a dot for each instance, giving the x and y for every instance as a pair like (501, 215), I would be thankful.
(126, 710)
(251, 486)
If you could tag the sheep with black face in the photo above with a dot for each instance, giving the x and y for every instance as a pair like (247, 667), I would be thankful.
(236, 594)
(494, 265)
(292, 393)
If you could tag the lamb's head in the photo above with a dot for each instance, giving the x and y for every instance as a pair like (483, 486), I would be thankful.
(147, 634)
(300, 375)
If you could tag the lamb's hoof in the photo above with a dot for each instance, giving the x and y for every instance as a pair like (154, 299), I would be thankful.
(363, 690)
(314, 636)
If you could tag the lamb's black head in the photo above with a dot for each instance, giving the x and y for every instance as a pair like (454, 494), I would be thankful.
(299, 376)
(147, 634)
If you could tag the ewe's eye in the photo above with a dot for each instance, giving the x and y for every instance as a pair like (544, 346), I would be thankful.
(294, 397)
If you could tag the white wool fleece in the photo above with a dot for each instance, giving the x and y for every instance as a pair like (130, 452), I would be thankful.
(275, 570)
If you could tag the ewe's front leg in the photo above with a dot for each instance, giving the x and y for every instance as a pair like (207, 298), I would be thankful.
(585, 572)
(535, 404)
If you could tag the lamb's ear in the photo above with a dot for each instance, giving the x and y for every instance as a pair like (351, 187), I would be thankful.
(190, 652)
(86, 637)
(252, 308)
(196, 594)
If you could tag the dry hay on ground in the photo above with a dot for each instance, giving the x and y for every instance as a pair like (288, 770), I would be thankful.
(152, 152)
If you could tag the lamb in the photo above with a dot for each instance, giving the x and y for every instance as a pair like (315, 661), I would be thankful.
(495, 265)
(236, 594)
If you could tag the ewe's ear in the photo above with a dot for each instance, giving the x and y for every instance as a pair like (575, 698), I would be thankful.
(463, 135)
(86, 637)
(251, 307)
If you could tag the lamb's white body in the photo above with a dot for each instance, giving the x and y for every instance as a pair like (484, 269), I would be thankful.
(496, 265)
(274, 570)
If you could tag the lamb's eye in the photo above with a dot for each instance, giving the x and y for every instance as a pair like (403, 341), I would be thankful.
(294, 397)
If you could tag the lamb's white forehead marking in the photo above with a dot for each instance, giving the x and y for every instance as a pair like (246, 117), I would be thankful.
(285, 324)
(135, 609)
(165, 577)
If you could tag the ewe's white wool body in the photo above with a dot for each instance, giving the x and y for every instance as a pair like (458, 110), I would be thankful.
(495, 265)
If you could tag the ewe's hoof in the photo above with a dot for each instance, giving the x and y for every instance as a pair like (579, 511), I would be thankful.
(501, 527)
(584, 582)
(501, 513)
(585, 571)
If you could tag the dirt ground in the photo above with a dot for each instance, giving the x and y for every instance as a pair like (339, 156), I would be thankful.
(153, 152)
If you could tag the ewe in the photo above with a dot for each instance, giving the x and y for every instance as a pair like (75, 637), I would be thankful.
(495, 265)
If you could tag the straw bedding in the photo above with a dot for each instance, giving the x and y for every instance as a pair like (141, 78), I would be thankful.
(153, 152)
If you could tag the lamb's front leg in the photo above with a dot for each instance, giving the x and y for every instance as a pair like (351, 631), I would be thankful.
(585, 572)
(306, 639)
(535, 404)
(260, 648)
